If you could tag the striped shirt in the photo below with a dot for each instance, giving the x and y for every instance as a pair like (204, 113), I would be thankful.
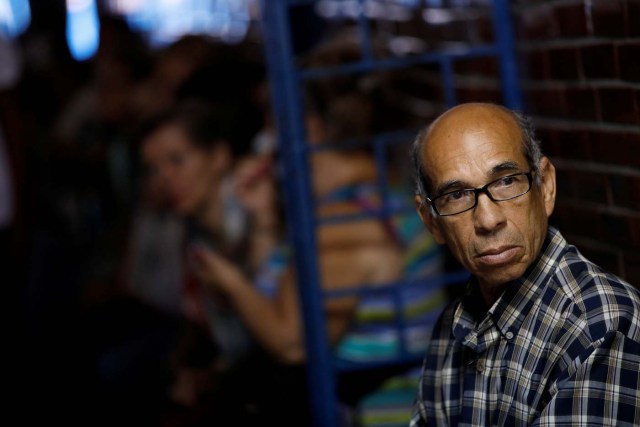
(560, 347)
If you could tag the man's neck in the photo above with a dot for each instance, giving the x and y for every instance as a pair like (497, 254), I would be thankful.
(490, 294)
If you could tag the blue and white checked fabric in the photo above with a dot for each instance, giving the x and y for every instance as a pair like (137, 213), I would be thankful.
(560, 347)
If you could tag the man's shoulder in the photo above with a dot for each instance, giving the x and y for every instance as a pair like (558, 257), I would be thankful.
(587, 279)
(582, 279)
(603, 297)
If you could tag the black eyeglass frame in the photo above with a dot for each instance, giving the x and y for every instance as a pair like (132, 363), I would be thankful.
(484, 189)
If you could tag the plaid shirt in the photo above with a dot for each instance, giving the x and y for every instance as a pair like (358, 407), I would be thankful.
(560, 347)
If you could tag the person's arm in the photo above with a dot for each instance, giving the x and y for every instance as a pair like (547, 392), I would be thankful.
(601, 387)
(274, 323)
(347, 265)
(256, 188)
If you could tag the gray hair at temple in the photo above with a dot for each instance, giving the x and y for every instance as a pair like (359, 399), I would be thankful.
(530, 147)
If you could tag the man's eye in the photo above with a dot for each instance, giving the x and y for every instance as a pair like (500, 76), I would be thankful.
(506, 181)
(455, 196)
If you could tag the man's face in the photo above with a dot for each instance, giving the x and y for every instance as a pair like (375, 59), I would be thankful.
(495, 241)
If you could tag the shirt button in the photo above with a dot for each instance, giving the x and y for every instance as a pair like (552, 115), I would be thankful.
(509, 335)
(480, 366)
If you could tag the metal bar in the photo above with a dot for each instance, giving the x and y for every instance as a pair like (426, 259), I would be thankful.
(502, 28)
(288, 107)
(394, 63)
(449, 90)
(365, 34)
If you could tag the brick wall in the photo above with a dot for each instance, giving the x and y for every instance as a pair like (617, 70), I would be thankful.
(580, 67)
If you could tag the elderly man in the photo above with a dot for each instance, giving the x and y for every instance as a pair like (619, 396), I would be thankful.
(542, 336)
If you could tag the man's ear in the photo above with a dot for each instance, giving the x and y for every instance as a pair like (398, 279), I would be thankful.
(548, 187)
(429, 220)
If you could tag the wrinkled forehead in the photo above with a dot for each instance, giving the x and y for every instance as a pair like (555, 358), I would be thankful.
(469, 141)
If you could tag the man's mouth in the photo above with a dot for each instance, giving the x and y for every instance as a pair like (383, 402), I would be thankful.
(497, 256)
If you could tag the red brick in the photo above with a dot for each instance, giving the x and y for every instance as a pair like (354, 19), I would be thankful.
(462, 31)
(618, 231)
(621, 148)
(537, 22)
(629, 61)
(572, 20)
(546, 102)
(422, 81)
(632, 14)
(599, 61)
(574, 144)
(626, 191)
(578, 221)
(634, 228)
(564, 63)
(536, 65)
(549, 140)
(618, 105)
(559, 217)
(565, 184)
(608, 17)
(582, 104)
(480, 66)
(479, 95)
(591, 187)
(484, 29)
(631, 267)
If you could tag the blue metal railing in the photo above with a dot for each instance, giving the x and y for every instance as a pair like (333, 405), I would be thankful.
(288, 115)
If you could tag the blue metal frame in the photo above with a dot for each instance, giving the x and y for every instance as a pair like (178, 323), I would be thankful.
(288, 114)
(286, 94)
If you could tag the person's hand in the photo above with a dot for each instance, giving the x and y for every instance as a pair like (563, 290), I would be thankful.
(214, 270)
(255, 185)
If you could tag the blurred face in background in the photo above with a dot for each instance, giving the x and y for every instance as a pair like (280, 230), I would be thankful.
(184, 175)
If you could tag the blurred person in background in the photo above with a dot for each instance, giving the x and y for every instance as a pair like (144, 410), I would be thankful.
(188, 154)
(368, 251)
(207, 100)
(350, 254)
(245, 281)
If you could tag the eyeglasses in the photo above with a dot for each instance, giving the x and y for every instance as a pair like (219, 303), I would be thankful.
(505, 188)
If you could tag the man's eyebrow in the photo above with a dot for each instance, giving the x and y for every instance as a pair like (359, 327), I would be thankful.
(456, 184)
(452, 185)
(505, 167)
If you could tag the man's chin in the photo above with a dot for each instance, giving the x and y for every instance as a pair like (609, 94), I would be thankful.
(498, 279)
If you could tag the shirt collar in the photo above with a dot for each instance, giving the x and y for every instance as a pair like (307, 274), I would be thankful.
(508, 312)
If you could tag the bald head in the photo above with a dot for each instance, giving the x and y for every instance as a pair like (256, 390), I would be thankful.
(468, 117)
(457, 126)
(476, 164)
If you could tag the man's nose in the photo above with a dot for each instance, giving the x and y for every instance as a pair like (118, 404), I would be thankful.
(487, 215)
